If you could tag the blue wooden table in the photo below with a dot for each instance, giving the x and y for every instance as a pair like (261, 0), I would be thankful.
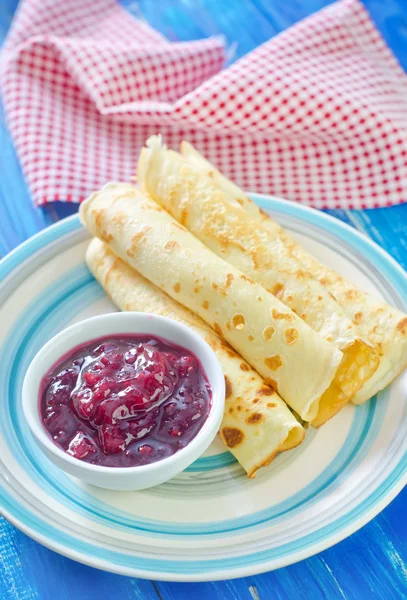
(369, 564)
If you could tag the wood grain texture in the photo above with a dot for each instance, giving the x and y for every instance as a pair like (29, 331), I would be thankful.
(372, 562)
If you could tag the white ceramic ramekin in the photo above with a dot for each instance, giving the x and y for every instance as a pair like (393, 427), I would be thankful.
(126, 478)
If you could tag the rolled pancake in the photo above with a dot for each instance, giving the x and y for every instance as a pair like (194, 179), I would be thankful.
(257, 424)
(197, 203)
(298, 362)
(382, 325)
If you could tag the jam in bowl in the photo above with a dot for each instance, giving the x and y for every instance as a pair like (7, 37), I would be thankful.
(128, 408)
(125, 401)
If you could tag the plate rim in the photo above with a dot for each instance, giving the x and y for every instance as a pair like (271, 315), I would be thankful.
(71, 223)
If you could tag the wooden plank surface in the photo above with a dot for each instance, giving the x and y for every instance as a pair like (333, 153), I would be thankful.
(369, 564)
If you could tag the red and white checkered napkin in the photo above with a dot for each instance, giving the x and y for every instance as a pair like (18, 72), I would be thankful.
(318, 114)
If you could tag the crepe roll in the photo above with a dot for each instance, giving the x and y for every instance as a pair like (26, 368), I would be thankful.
(298, 363)
(197, 203)
(257, 424)
(383, 326)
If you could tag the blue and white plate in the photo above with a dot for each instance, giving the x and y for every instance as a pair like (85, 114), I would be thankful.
(210, 522)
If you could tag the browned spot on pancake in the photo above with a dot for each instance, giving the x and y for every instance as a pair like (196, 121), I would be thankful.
(230, 410)
(278, 316)
(205, 304)
(171, 245)
(240, 201)
(290, 335)
(183, 215)
(152, 206)
(303, 316)
(135, 241)
(277, 290)
(265, 390)
(232, 436)
(259, 299)
(329, 338)
(273, 362)
(98, 216)
(218, 288)
(211, 174)
(357, 317)
(127, 307)
(178, 225)
(176, 287)
(250, 338)
(197, 288)
(229, 278)
(119, 219)
(238, 321)
(254, 418)
(268, 333)
(256, 259)
(228, 387)
(105, 237)
(261, 259)
(244, 367)
(272, 383)
(263, 214)
(217, 328)
(239, 408)
(402, 326)
(227, 325)
(351, 294)
(226, 240)
(255, 400)
(271, 404)
(300, 274)
(320, 298)
(246, 278)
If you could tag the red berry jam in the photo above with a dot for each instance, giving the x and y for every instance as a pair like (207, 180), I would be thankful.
(125, 401)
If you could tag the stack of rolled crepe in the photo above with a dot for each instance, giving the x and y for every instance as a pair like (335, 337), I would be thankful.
(257, 424)
(283, 266)
(214, 261)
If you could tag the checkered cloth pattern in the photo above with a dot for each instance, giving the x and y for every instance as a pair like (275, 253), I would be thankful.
(317, 114)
